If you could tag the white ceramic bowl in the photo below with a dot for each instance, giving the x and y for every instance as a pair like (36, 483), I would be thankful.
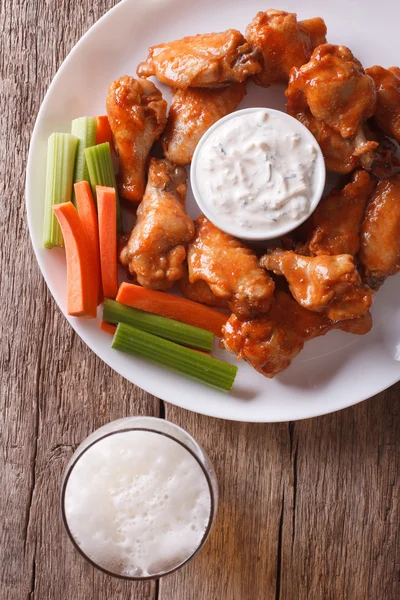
(234, 228)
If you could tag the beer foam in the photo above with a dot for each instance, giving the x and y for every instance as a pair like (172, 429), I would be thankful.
(137, 503)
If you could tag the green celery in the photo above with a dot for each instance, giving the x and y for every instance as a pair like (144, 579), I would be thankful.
(84, 128)
(191, 363)
(188, 335)
(61, 151)
(101, 172)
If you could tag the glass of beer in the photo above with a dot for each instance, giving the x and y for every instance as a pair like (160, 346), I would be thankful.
(139, 498)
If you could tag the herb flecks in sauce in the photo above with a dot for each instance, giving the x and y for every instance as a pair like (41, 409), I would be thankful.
(255, 171)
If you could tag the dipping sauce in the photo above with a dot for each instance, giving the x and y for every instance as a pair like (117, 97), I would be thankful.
(258, 173)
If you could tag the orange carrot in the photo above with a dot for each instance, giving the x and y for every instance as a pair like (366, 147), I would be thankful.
(103, 131)
(108, 327)
(88, 216)
(107, 214)
(173, 307)
(81, 278)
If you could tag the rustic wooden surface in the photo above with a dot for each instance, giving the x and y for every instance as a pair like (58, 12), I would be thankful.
(308, 510)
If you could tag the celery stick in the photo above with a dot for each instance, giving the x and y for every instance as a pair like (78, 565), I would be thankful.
(84, 129)
(183, 360)
(188, 335)
(61, 151)
(101, 172)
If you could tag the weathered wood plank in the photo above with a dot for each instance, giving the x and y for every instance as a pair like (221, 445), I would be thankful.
(341, 535)
(54, 390)
(309, 510)
(253, 466)
(75, 398)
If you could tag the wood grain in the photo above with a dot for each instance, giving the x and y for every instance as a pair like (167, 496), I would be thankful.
(341, 527)
(253, 466)
(54, 390)
(308, 510)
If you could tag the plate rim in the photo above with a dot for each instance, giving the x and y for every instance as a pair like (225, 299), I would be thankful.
(320, 411)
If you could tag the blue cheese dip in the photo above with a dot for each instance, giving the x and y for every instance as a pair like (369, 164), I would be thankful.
(258, 173)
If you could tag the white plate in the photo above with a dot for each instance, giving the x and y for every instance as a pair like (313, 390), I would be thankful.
(332, 372)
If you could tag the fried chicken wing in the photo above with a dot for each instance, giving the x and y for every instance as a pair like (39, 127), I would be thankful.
(269, 343)
(387, 114)
(384, 156)
(315, 29)
(358, 326)
(380, 233)
(337, 219)
(336, 89)
(343, 155)
(156, 252)
(192, 112)
(137, 116)
(333, 97)
(209, 60)
(339, 154)
(329, 284)
(199, 291)
(230, 269)
(283, 43)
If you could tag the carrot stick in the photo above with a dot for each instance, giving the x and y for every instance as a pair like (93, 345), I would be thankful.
(82, 290)
(103, 131)
(107, 215)
(88, 215)
(173, 307)
(108, 327)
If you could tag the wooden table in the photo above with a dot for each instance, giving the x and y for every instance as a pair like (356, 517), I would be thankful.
(309, 510)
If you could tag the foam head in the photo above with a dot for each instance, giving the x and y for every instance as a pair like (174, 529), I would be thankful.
(137, 503)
